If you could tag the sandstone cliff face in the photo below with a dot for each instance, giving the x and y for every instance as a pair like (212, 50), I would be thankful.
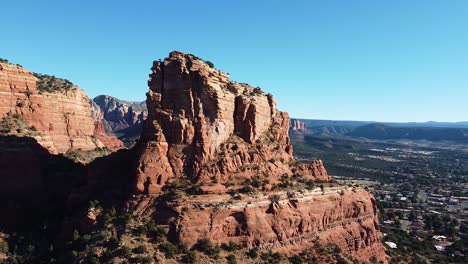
(203, 125)
(291, 224)
(297, 126)
(63, 117)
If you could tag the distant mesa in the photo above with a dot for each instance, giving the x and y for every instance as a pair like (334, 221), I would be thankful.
(297, 126)
(431, 131)
(385, 132)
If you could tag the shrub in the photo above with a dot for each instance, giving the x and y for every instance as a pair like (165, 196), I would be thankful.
(253, 253)
(275, 198)
(168, 249)
(143, 259)
(210, 64)
(190, 257)
(231, 259)
(3, 246)
(322, 187)
(271, 257)
(113, 242)
(246, 189)
(141, 230)
(194, 189)
(256, 182)
(93, 260)
(204, 245)
(257, 90)
(140, 249)
(231, 246)
(296, 259)
(124, 252)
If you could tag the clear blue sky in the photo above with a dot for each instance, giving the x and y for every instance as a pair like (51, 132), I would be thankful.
(348, 60)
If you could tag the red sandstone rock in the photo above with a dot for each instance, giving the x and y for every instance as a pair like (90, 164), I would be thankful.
(297, 126)
(207, 127)
(62, 117)
(203, 127)
(348, 220)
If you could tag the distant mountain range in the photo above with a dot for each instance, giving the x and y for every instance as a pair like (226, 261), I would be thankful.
(433, 131)
(123, 118)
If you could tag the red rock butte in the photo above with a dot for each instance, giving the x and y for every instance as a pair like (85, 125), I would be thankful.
(220, 134)
(202, 125)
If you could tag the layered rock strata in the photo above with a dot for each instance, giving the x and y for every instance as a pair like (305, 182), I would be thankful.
(345, 217)
(202, 125)
(63, 116)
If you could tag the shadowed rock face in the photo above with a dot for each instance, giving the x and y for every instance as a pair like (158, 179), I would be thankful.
(34, 183)
(202, 125)
(62, 116)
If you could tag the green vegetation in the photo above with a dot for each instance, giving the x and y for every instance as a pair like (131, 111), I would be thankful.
(252, 253)
(86, 156)
(275, 198)
(231, 259)
(50, 84)
(141, 249)
(206, 246)
(210, 64)
(169, 249)
(231, 246)
(3, 246)
(13, 124)
(190, 257)
(8, 62)
(270, 257)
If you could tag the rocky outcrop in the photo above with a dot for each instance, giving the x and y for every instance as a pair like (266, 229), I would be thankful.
(202, 125)
(102, 130)
(120, 114)
(63, 117)
(120, 117)
(297, 126)
(347, 219)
